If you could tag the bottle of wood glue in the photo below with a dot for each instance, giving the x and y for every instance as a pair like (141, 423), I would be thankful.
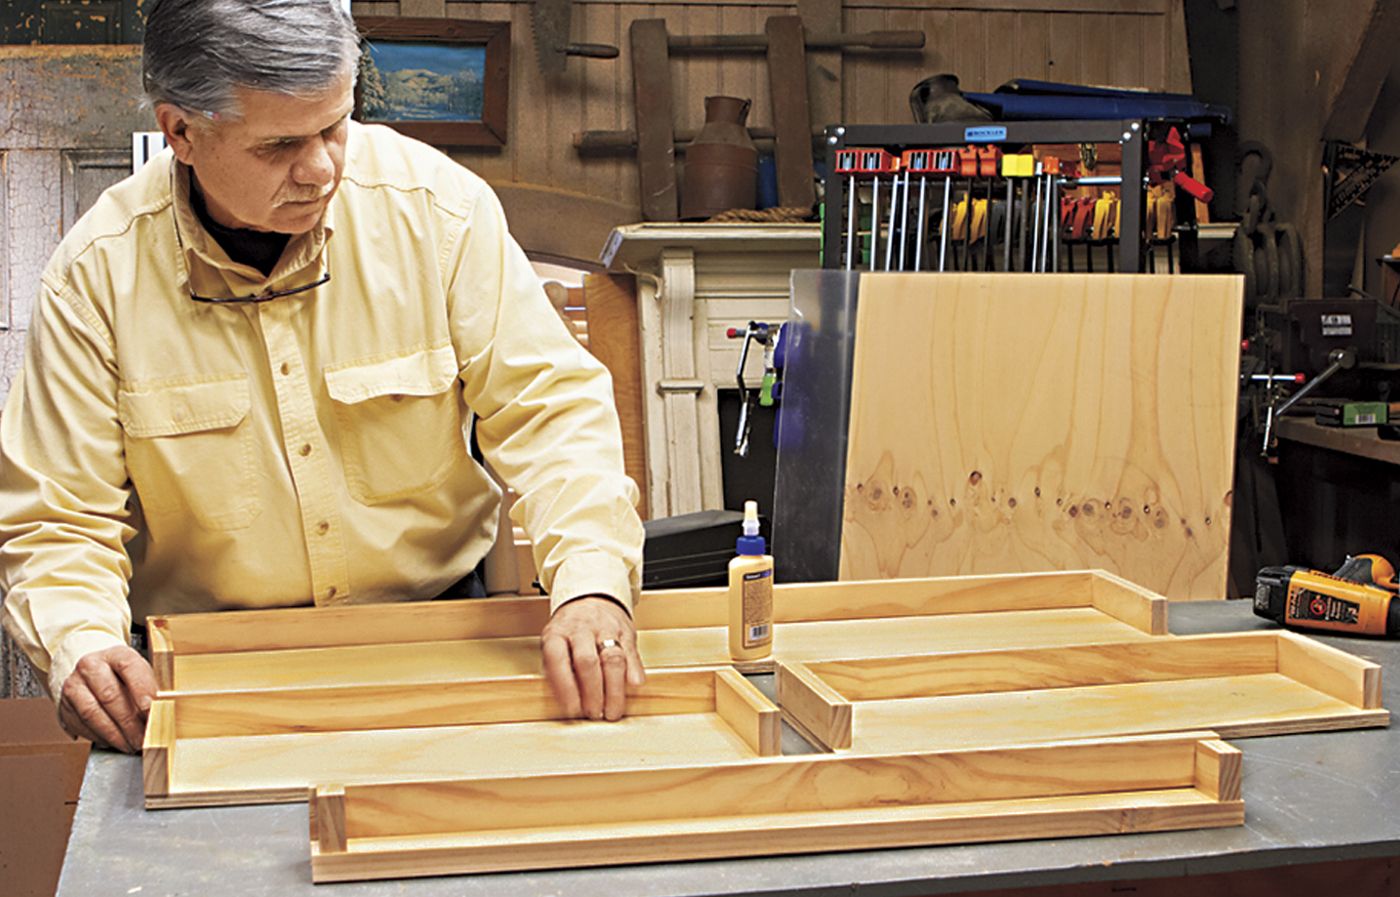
(750, 593)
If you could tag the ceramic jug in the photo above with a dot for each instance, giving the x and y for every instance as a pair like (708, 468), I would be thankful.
(721, 163)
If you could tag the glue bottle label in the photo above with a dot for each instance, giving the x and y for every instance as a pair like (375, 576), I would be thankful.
(758, 608)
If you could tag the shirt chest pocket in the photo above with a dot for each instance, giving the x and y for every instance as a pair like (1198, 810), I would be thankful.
(189, 448)
(399, 423)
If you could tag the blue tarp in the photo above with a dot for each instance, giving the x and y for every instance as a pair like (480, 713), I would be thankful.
(1027, 100)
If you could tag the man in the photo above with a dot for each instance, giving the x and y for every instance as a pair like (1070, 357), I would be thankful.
(275, 335)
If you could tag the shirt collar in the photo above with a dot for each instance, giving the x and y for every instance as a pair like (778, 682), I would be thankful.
(204, 266)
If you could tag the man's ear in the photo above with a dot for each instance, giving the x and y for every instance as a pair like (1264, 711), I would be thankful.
(175, 124)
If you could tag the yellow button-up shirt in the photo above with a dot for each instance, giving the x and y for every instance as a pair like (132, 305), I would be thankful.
(311, 448)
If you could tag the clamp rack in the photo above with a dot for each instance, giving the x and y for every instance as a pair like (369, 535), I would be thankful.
(910, 173)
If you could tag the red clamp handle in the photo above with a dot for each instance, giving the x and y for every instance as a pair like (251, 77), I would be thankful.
(1192, 186)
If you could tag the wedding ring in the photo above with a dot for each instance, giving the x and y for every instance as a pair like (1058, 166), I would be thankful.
(607, 643)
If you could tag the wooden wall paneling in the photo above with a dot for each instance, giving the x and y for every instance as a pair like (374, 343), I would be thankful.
(436, 8)
(85, 174)
(1107, 444)
(603, 100)
(1100, 40)
(969, 36)
(773, 806)
(233, 747)
(751, 70)
(1179, 54)
(1125, 60)
(536, 102)
(904, 69)
(857, 69)
(1064, 41)
(823, 66)
(1237, 684)
(1156, 46)
(1001, 49)
(6, 301)
(1032, 44)
(986, 42)
(492, 638)
(1136, 7)
(34, 204)
(695, 76)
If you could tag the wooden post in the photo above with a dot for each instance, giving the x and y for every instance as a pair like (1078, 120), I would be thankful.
(792, 126)
(656, 142)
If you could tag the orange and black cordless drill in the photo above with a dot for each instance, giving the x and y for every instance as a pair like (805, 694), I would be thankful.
(1360, 598)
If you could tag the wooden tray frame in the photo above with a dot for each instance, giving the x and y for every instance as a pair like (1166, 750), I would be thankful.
(177, 637)
(817, 698)
(183, 716)
(783, 805)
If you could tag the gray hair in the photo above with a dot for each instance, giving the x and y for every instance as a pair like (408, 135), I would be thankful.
(197, 53)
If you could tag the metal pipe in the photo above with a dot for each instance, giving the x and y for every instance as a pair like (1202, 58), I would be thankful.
(874, 221)
(1035, 228)
(1010, 204)
(904, 224)
(923, 224)
(943, 231)
(889, 232)
(852, 238)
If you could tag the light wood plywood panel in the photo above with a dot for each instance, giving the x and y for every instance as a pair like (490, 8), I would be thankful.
(256, 747)
(1237, 684)
(496, 637)
(777, 806)
(1007, 423)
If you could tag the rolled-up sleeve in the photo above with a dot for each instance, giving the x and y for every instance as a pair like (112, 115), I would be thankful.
(63, 493)
(547, 421)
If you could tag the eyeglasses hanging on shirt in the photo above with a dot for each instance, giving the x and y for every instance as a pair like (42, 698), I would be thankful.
(267, 296)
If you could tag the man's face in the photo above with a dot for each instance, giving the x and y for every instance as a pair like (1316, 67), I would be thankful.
(274, 168)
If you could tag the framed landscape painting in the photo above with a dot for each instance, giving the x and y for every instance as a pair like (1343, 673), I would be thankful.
(443, 81)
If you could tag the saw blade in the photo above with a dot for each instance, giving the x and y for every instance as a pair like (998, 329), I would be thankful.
(549, 19)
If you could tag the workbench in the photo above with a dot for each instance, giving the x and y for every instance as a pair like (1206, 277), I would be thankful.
(1308, 799)
(1337, 488)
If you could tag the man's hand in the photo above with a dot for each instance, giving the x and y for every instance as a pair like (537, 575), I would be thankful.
(590, 657)
(107, 697)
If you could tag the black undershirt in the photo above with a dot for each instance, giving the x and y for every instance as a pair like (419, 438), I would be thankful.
(255, 248)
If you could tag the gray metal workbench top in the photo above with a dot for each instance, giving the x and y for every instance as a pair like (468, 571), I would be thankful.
(1308, 798)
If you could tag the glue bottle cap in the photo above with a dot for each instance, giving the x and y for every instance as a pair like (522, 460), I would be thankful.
(750, 543)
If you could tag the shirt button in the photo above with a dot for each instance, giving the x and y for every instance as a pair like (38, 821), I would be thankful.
(305, 449)
(285, 369)
(323, 527)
